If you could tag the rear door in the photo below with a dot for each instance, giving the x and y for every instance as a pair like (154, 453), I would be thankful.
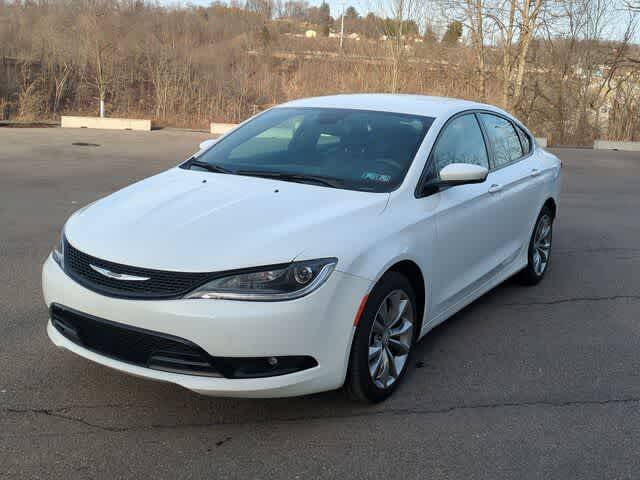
(513, 183)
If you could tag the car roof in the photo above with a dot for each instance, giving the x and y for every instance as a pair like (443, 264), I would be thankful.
(397, 103)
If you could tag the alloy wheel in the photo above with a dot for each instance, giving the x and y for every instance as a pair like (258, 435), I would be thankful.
(542, 245)
(390, 338)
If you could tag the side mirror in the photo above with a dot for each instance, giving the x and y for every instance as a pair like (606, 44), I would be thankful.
(456, 174)
(462, 173)
(207, 144)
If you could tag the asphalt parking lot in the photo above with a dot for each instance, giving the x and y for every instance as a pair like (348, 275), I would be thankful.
(539, 382)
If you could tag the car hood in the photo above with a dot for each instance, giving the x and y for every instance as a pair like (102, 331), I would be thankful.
(183, 220)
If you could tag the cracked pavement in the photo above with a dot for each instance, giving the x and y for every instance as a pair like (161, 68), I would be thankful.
(539, 382)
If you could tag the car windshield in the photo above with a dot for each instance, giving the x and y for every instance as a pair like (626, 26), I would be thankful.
(340, 148)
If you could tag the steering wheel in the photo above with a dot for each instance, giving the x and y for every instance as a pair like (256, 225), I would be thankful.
(391, 163)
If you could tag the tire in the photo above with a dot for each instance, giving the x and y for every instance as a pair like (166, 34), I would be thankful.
(536, 268)
(393, 292)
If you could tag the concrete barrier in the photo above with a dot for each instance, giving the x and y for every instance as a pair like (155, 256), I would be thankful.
(106, 123)
(542, 141)
(222, 128)
(610, 145)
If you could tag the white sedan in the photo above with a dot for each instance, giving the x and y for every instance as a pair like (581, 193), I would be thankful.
(307, 249)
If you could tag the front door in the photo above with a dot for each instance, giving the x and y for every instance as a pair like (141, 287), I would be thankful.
(465, 250)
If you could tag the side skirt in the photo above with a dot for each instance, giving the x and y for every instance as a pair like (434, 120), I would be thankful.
(490, 284)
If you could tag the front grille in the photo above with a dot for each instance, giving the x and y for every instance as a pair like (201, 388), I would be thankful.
(160, 283)
(160, 351)
(131, 344)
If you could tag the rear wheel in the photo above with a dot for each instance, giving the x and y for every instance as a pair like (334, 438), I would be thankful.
(539, 249)
(383, 340)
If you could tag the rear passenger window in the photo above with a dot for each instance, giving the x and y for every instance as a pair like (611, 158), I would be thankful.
(525, 141)
(461, 141)
(504, 139)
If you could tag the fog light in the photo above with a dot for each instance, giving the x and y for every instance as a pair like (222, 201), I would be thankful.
(260, 367)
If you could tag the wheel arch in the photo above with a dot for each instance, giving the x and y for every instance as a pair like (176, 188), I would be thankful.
(551, 204)
(413, 273)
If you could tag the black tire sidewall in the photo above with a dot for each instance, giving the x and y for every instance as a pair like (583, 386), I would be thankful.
(359, 379)
(530, 271)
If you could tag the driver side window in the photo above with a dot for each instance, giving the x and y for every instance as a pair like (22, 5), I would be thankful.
(461, 141)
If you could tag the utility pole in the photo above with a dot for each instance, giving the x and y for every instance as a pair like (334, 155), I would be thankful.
(342, 26)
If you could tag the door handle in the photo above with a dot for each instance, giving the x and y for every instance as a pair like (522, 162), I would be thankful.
(495, 188)
(535, 172)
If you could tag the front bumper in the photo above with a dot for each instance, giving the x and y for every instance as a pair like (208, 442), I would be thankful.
(319, 325)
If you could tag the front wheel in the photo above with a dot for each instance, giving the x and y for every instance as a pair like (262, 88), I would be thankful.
(539, 253)
(383, 340)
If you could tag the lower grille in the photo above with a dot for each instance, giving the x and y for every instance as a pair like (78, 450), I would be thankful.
(132, 345)
(160, 351)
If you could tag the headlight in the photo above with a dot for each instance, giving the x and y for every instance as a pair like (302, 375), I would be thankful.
(271, 283)
(58, 251)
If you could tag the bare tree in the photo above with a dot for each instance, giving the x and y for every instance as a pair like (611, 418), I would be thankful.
(503, 17)
(28, 96)
(99, 36)
(633, 5)
(530, 13)
(473, 15)
(398, 13)
(609, 79)
(516, 22)
(61, 78)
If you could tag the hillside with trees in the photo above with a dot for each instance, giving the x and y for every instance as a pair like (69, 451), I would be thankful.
(570, 70)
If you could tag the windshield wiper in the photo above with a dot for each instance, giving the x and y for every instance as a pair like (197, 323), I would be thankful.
(208, 166)
(294, 177)
(287, 177)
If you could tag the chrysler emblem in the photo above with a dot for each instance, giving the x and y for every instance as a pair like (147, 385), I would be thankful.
(118, 276)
